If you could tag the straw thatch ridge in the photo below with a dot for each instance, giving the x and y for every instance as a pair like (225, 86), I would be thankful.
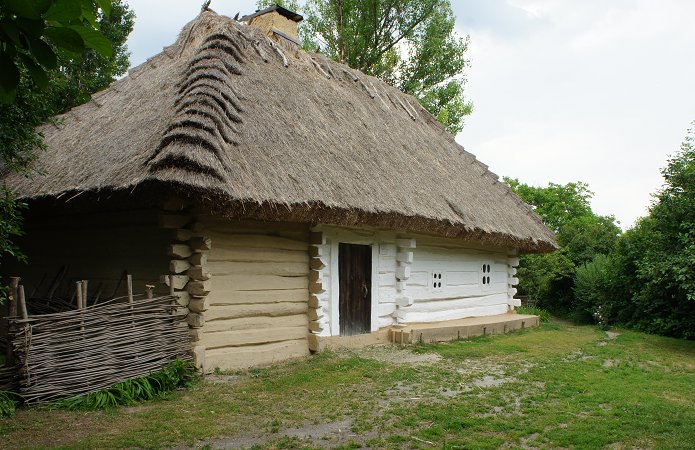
(206, 110)
(254, 130)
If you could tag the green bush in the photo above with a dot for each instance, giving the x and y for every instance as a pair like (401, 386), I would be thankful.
(652, 281)
(8, 403)
(591, 288)
(129, 392)
(542, 314)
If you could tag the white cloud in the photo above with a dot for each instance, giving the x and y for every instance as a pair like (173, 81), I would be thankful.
(595, 91)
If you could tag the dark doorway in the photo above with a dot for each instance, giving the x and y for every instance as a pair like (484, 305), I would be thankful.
(355, 304)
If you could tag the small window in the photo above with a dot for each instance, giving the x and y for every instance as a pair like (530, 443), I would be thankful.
(486, 270)
(436, 280)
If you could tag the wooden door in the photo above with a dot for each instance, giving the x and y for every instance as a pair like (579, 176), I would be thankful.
(355, 303)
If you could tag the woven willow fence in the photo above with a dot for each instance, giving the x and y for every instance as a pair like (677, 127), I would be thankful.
(84, 350)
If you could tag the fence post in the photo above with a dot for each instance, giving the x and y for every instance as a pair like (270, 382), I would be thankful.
(14, 283)
(129, 281)
(78, 294)
(11, 312)
(22, 303)
(85, 297)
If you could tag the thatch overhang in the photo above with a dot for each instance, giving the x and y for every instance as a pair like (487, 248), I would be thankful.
(227, 118)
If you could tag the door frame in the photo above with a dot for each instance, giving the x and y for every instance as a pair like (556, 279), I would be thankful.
(353, 237)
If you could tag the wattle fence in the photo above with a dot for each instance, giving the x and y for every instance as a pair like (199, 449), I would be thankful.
(80, 351)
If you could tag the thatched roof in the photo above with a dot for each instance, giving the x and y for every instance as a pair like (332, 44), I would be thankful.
(225, 115)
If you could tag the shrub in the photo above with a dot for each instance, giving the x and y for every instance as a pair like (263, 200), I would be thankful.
(591, 286)
(8, 403)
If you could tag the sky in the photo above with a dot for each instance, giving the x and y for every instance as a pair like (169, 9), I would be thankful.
(599, 91)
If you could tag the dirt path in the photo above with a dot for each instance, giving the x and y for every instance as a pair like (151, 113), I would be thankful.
(479, 374)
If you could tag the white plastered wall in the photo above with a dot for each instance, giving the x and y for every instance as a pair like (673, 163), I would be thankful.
(404, 267)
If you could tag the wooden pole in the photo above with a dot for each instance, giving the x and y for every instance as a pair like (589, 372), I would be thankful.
(85, 296)
(12, 303)
(22, 303)
(148, 290)
(172, 292)
(11, 312)
(78, 292)
(129, 284)
(81, 299)
(129, 281)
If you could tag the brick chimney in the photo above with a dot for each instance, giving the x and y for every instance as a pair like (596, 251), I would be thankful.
(277, 23)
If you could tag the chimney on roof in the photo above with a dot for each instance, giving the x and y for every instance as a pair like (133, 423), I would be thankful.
(278, 23)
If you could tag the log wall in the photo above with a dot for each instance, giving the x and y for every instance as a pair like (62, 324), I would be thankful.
(256, 310)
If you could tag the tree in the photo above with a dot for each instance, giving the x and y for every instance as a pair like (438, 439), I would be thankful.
(78, 78)
(57, 49)
(653, 267)
(34, 32)
(410, 44)
(582, 235)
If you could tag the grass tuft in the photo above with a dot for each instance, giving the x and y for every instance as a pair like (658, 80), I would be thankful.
(534, 311)
(177, 374)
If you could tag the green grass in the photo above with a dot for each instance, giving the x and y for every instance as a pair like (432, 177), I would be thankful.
(555, 386)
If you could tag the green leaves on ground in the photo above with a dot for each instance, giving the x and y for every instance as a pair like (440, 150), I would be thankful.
(177, 374)
(8, 403)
